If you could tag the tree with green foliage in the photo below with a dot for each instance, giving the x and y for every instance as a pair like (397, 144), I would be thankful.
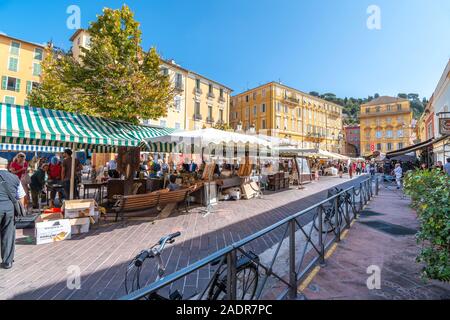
(115, 78)
(430, 195)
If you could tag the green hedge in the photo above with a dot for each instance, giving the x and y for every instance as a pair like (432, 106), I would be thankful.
(430, 194)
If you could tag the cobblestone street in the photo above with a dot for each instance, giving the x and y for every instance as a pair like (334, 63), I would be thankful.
(383, 236)
(40, 272)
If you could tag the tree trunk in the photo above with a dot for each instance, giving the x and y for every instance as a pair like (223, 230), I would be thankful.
(127, 164)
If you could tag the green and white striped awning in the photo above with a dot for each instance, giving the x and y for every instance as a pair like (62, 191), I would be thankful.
(45, 127)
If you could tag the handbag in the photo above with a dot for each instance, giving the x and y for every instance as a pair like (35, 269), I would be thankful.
(19, 210)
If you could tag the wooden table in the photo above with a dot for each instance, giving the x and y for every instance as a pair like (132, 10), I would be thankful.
(58, 188)
(97, 186)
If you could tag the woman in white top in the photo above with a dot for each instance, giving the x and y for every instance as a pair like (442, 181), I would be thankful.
(398, 172)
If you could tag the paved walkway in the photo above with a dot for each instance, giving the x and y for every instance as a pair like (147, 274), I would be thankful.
(384, 236)
(40, 272)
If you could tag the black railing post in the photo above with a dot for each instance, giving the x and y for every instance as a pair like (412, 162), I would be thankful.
(321, 245)
(377, 185)
(292, 272)
(347, 214)
(231, 275)
(337, 218)
(361, 197)
(354, 203)
(368, 183)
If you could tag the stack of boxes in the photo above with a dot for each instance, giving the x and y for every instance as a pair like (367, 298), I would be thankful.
(75, 217)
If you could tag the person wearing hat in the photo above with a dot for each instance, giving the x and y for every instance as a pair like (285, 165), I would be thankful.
(10, 187)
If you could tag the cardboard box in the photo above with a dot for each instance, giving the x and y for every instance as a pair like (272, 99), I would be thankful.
(79, 208)
(52, 231)
(80, 225)
(50, 216)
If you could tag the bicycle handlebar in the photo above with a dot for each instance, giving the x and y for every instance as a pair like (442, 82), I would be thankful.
(170, 237)
(140, 258)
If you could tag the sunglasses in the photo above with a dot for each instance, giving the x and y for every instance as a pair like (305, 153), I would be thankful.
(21, 156)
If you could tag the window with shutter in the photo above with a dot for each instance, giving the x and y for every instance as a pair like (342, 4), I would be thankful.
(14, 49)
(29, 86)
(38, 54)
(36, 69)
(10, 100)
(4, 82)
(13, 64)
(17, 85)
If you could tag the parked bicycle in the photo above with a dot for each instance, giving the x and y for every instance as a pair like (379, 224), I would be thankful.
(329, 219)
(247, 274)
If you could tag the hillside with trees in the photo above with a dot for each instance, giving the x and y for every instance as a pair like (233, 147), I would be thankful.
(352, 105)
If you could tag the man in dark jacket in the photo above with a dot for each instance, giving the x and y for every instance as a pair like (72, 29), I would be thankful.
(10, 186)
(38, 184)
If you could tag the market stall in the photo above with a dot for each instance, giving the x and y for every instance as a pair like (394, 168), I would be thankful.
(31, 126)
(228, 165)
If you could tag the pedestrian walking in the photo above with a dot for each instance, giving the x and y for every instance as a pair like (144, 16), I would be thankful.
(372, 169)
(398, 172)
(11, 190)
(340, 169)
(447, 166)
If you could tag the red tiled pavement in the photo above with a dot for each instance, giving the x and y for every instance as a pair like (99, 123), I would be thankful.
(40, 272)
(344, 276)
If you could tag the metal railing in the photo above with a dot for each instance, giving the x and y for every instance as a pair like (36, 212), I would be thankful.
(305, 243)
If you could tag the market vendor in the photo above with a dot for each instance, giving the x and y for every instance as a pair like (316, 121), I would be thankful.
(37, 184)
(54, 177)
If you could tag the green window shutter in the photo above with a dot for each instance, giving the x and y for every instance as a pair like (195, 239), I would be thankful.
(29, 84)
(4, 82)
(18, 85)
(13, 64)
(36, 69)
(26, 103)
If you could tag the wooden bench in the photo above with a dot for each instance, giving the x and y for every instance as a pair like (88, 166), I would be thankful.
(149, 200)
(176, 197)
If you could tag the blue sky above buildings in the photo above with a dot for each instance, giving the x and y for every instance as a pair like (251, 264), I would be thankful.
(320, 46)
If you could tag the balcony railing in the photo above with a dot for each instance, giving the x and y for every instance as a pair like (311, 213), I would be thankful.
(210, 120)
(222, 99)
(211, 95)
(179, 86)
(197, 116)
(198, 91)
(382, 113)
(292, 99)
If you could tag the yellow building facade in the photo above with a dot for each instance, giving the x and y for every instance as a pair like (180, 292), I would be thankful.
(284, 112)
(386, 125)
(20, 69)
(198, 102)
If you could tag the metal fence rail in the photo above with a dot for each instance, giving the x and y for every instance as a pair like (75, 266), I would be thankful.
(306, 244)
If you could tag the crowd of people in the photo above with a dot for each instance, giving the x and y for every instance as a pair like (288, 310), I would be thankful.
(39, 172)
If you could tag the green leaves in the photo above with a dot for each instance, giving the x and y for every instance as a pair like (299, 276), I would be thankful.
(115, 78)
(430, 194)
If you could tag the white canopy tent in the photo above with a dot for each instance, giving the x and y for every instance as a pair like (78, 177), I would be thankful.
(202, 138)
(317, 153)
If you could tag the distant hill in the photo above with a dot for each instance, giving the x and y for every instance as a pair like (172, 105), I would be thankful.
(352, 105)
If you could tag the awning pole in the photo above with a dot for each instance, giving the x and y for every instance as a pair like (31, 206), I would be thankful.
(72, 173)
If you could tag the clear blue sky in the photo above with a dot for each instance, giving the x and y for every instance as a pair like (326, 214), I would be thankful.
(323, 45)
